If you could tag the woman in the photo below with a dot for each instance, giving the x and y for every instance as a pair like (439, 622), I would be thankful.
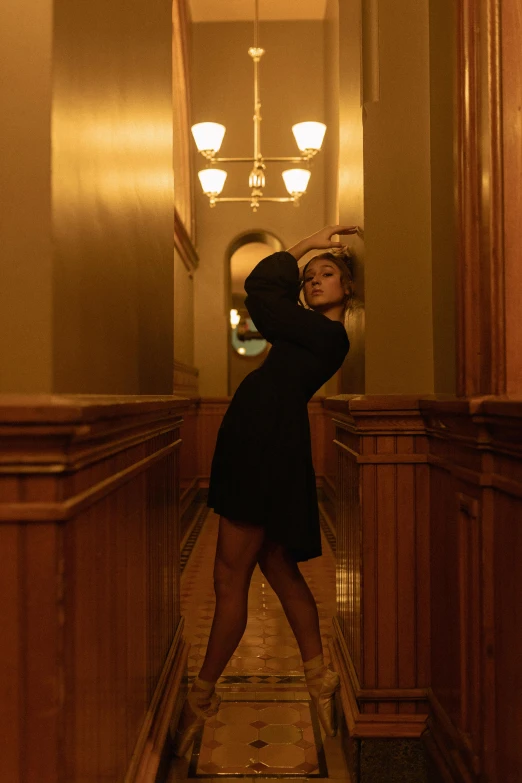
(262, 480)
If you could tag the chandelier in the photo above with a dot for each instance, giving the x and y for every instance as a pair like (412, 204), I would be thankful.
(209, 137)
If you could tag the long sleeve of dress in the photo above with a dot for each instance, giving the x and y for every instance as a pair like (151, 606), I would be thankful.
(272, 300)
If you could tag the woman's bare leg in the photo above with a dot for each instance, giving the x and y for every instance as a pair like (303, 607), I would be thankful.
(238, 547)
(287, 581)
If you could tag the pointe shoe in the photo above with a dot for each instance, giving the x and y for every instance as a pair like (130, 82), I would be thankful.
(198, 707)
(323, 687)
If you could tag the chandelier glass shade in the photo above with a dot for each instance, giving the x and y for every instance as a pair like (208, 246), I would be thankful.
(296, 180)
(309, 135)
(209, 137)
(212, 181)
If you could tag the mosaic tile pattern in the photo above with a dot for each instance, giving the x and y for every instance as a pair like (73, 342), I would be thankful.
(266, 725)
(259, 738)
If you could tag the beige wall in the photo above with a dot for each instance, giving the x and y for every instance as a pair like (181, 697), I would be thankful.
(292, 90)
(397, 206)
(25, 215)
(108, 279)
(443, 178)
(351, 180)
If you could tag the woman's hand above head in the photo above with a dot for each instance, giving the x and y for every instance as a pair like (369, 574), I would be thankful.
(321, 240)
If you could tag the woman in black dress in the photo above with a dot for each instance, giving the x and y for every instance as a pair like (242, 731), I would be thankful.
(268, 513)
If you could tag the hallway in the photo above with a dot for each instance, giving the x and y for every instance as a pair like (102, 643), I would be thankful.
(265, 726)
(125, 333)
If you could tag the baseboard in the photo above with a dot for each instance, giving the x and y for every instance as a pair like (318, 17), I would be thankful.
(145, 761)
(449, 751)
(375, 725)
(187, 497)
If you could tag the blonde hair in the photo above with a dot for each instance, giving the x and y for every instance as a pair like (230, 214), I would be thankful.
(342, 257)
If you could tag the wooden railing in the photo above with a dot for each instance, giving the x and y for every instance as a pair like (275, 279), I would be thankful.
(91, 650)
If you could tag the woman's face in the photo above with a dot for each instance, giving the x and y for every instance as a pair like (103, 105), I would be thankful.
(323, 286)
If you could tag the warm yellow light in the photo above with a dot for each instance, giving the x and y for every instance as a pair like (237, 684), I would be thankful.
(242, 351)
(208, 136)
(296, 180)
(212, 180)
(309, 135)
(235, 318)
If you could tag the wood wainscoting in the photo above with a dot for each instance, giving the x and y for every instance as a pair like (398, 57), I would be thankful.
(92, 652)
(475, 456)
(186, 381)
(381, 632)
(427, 637)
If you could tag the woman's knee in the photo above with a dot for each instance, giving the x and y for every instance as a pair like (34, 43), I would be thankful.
(231, 579)
(277, 565)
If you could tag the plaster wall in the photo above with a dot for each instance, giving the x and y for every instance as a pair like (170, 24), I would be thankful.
(26, 349)
(87, 292)
(444, 249)
(399, 354)
(292, 90)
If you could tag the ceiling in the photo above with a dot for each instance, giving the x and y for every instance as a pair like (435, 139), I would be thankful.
(243, 10)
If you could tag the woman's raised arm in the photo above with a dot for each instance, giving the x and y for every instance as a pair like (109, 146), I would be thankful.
(321, 240)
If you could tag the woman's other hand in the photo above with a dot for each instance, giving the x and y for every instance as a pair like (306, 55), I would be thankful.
(321, 240)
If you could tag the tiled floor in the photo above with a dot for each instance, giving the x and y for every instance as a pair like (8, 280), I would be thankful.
(265, 726)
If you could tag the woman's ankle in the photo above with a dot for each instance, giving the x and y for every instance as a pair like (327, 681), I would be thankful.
(311, 664)
(206, 686)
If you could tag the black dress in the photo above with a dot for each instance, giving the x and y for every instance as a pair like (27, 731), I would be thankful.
(262, 469)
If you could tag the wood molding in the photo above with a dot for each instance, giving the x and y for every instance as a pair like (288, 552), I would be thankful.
(183, 169)
(481, 346)
(89, 503)
(60, 512)
(153, 734)
(511, 34)
(382, 523)
(449, 748)
(353, 698)
(475, 461)
(184, 245)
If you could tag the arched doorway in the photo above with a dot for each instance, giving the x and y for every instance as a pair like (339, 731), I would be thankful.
(246, 347)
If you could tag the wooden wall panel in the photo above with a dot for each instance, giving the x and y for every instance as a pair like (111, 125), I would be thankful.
(475, 454)
(511, 34)
(210, 415)
(382, 624)
(481, 291)
(93, 654)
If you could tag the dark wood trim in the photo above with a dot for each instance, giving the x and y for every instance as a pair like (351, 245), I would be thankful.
(481, 348)
(353, 697)
(89, 503)
(153, 735)
(184, 245)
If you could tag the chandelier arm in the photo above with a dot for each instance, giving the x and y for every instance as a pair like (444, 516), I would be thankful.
(290, 159)
(300, 159)
(233, 160)
(257, 102)
(255, 198)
